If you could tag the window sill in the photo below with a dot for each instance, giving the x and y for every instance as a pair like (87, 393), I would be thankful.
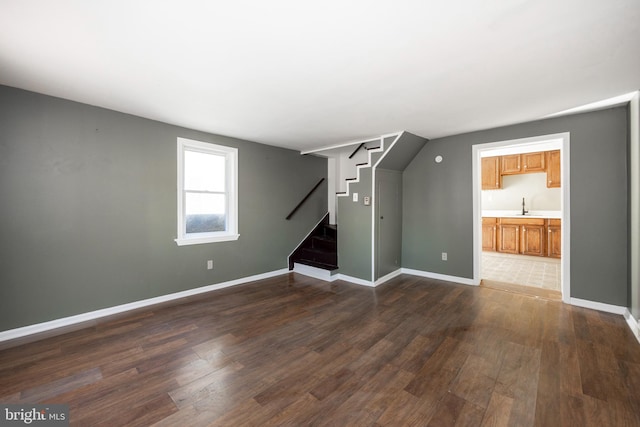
(208, 239)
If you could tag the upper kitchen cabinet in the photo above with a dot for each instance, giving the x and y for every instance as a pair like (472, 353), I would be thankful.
(523, 163)
(511, 164)
(553, 169)
(533, 162)
(491, 178)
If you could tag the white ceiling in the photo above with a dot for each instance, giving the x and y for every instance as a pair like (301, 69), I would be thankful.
(303, 74)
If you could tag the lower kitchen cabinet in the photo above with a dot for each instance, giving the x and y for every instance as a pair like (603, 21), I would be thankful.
(526, 236)
(489, 229)
(533, 240)
(509, 238)
(554, 238)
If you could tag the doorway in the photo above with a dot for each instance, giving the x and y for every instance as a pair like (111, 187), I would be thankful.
(529, 238)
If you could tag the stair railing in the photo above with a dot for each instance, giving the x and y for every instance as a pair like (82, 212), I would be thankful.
(305, 198)
(356, 150)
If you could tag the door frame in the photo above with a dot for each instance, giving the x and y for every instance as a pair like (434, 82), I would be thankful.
(562, 140)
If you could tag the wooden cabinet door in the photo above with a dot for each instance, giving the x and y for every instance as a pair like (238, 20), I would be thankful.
(553, 169)
(533, 162)
(554, 242)
(489, 234)
(509, 238)
(533, 240)
(491, 178)
(511, 164)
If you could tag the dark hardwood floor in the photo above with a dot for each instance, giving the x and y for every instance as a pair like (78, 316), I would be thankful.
(297, 351)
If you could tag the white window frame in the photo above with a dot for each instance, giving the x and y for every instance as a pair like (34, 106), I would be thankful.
(231, 190)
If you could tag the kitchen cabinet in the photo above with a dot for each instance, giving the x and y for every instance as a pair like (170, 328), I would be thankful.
(525, 236)
(554, 238)
(489, 229)
(509, 238)
(491, 178)
(553, 169)
(514, 164)
(533, 240)
(511, 164)
(533, 162)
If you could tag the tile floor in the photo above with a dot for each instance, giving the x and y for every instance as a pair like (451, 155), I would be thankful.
(541, 272)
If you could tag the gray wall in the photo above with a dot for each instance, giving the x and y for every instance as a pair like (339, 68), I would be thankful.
(388, 202)
(388, 220)
(88, 209)
(437, 210)
(402, 153)
(354, 230)
(634, 201)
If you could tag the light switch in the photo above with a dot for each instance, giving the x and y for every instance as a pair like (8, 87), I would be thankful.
(355, 197)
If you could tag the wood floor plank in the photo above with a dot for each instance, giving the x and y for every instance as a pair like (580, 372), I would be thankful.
(498, 411)
(292, 350)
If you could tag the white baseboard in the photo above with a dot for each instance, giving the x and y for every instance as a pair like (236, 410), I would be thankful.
(388, 277)
(314, 272)
(600, 306)
(354, 280)
(320, 274)
(438, 276)
(633, 324)
(67, 322)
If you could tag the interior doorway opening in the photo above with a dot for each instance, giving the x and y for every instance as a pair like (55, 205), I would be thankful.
(521, 215)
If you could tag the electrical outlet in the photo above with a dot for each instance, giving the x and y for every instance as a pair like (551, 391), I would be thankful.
(444, 256)
(210, 264)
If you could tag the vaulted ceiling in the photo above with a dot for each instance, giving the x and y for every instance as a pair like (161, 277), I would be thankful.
(303, 74)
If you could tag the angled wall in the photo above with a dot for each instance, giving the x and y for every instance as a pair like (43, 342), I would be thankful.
(388, 203)
(88, 209)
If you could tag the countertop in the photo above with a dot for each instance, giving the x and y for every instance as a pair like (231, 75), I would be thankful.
(518, 214)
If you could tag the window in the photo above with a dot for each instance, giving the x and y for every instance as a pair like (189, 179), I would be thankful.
(207, 193)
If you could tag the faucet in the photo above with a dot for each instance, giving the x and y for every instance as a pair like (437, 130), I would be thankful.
(523, 211)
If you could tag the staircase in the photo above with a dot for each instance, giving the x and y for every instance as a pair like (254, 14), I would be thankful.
(319, 249)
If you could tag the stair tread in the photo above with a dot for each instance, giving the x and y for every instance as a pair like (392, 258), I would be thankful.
(362, 164)
(325, 238)
(372, 148)
(319, 251)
